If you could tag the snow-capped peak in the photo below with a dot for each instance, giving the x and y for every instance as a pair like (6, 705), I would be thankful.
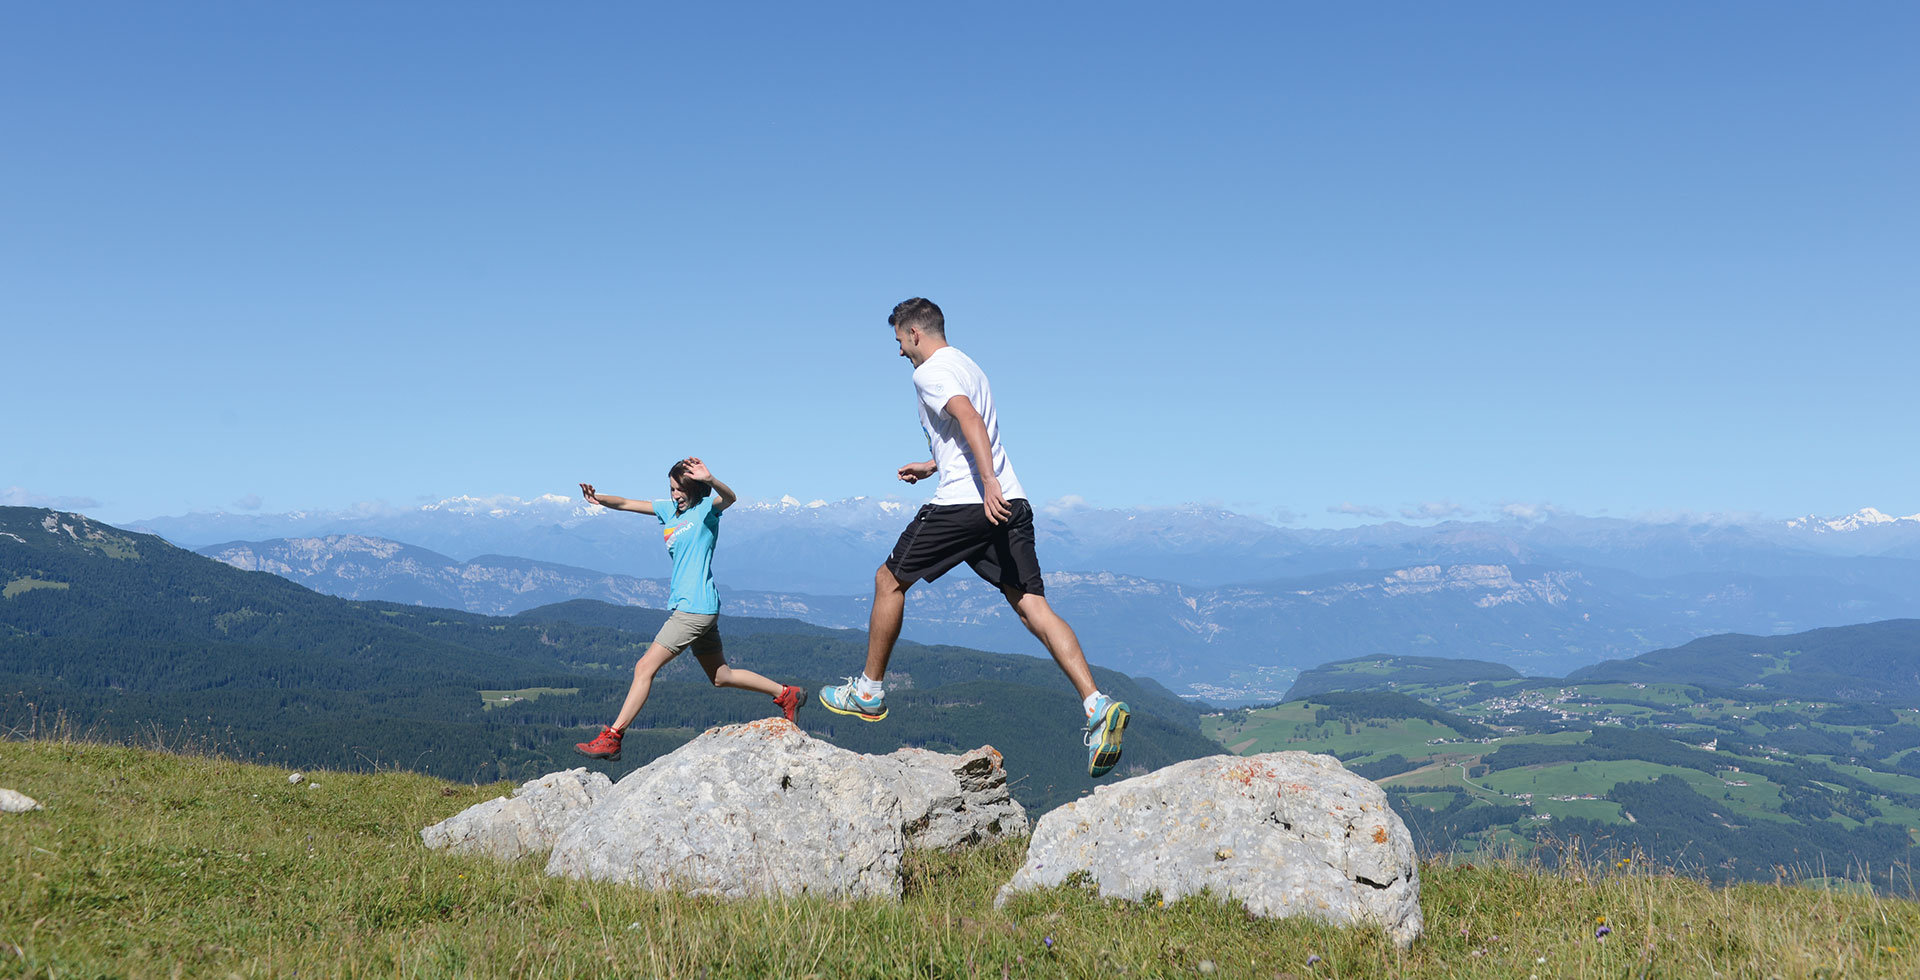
(500, 505)
(1864, 517)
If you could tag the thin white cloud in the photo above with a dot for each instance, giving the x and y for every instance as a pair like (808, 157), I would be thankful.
(1282, 515)
(1435, 510)
(1356, 510)
(22, 497)
(1532, 512)
(1070, 502)
(251, 501)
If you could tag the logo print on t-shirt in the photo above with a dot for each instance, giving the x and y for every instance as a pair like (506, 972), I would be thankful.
(672, 531)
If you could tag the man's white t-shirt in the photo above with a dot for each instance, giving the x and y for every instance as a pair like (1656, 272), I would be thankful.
(938, 378)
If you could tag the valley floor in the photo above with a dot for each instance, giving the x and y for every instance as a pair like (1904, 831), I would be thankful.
(150, 864)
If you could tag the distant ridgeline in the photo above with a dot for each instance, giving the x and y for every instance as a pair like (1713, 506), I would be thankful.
(122, 635)
(1732, 757)
(1878, 662)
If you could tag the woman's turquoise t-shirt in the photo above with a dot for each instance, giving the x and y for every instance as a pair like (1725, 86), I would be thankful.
(691, 536)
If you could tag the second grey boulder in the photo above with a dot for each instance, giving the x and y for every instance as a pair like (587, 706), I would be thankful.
(1287, 833)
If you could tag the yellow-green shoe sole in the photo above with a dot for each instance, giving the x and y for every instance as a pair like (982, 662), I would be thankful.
(863, 716)
(1106, 753)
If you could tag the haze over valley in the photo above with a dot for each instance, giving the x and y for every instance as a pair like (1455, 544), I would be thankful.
(1213, 603)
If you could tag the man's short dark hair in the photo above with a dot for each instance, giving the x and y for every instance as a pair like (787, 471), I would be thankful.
(921, 313)
(696, 489)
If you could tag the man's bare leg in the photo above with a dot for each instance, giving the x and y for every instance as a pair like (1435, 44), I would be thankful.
(1037, 615)
(883, 622)
(1106, 718)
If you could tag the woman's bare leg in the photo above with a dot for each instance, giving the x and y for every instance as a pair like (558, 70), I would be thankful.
(655, 658)
(715, 664)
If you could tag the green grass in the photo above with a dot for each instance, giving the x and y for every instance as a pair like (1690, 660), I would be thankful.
(1291, 728)
(494, 699)
(1604, 811)
(1442, 774)
(146, 864)
(28, 583)
(1562, 779)
(1673, 694)
(1890, 782)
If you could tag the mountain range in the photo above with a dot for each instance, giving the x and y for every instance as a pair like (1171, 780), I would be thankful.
(1214, 603)
(832, 548)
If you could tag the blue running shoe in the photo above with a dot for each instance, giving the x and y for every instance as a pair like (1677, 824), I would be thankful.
(1104, 729)
(847, 700)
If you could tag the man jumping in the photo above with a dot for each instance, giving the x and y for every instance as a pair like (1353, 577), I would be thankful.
(978, 515)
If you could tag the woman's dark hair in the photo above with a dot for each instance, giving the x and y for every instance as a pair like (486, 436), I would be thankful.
(696, 490)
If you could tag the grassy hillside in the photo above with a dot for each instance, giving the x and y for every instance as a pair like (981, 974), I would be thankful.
(1387, 673)
(152, 864)
(1868, 662)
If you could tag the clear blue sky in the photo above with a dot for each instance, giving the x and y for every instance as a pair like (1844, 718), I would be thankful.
(1280, 257)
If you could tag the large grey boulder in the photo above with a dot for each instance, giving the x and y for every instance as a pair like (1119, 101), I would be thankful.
(12, 801)
(764, 809)
(1288, 833)
(525, 823)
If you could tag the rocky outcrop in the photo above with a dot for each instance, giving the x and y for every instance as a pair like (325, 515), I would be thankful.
(952, 801)
(1287, 833)
(764, 809)
(754, 809)
(16, 802)
(528, 822)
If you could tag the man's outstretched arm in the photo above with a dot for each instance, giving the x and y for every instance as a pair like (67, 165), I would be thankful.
(615, 503)
(974, 428)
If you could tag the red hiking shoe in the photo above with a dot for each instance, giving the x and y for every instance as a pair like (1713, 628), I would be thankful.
(790, 699)
(605, 745)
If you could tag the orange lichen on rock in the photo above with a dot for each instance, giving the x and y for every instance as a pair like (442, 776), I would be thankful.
(1379, 835)
(1246, 773)
(765, 728)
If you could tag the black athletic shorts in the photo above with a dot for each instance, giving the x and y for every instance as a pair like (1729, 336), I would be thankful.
(941, 537)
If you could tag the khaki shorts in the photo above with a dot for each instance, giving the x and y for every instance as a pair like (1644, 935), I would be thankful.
(685, 629)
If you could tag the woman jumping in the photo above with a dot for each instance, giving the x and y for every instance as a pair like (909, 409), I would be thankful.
(692, 526)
